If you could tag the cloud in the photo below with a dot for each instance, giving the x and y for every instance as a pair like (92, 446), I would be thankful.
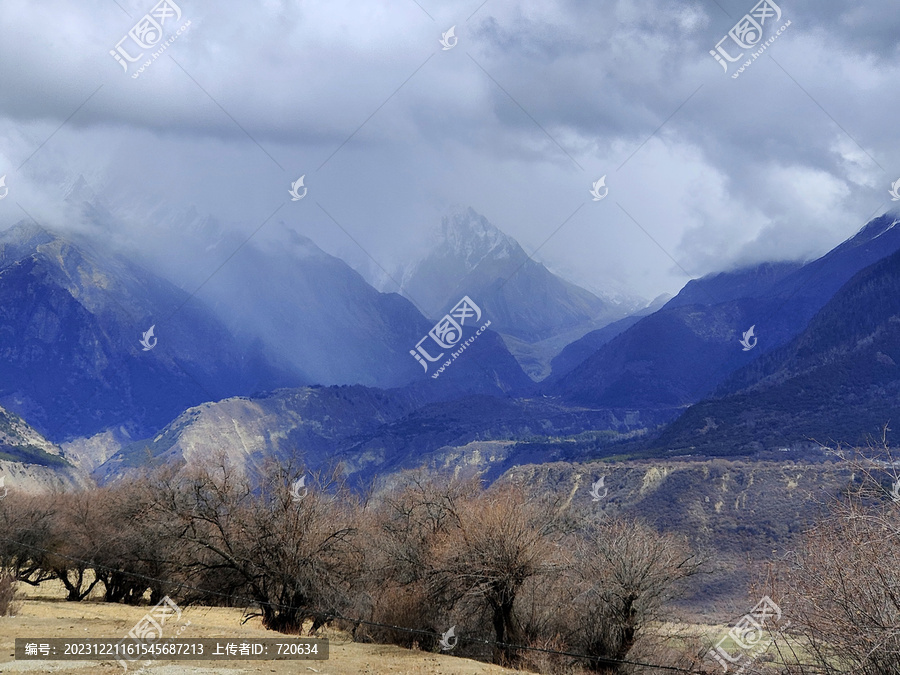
(537, 101)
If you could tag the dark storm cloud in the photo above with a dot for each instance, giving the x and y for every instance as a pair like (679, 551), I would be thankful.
(537, 101)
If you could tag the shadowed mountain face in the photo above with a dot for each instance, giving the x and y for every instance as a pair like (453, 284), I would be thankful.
(528, 304)
(577, 352)
(71, 321)
(836, 382)
(681, 353)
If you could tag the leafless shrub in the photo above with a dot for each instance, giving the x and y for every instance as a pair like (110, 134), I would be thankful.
(542, 656)
(406, 608)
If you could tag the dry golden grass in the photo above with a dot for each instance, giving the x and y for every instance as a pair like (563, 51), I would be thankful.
(44, 615)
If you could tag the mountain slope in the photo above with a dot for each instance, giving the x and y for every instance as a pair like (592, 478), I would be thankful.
(837, 382)
(746, 513)
(308, 423)
(370, 432)
(681, 353)
(70, 324)
(576, 352)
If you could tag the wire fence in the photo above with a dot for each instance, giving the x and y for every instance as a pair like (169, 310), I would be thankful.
(238, 600)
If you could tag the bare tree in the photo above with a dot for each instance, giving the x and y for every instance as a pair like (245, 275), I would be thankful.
(74, 542)
(500, 541)
(295, 556)
(518, 570)
(27, 535)
(136, 557)
(402, 527)
(624, 573)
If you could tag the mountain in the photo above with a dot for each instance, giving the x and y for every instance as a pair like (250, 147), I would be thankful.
(680, 354)
(246, 318)
(71, 321)
(527, 303)
(29, 462)
(308, 423)
(317, 314)
(836, 382)
(666, 360)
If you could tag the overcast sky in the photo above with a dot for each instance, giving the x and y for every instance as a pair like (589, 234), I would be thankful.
(536, 101)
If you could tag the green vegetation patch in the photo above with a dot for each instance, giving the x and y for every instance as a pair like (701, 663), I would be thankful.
(31, 454)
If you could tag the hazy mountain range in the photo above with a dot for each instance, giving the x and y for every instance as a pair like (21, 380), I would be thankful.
(256, 363)
(73, 315)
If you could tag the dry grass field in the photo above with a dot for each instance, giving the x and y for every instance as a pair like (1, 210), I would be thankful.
(44, 615)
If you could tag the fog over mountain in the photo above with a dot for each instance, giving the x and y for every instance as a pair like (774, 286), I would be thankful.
(78, 353)
(74, 367)
(536, 311)
(836, 382)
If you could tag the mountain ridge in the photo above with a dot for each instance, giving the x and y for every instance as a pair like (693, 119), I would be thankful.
(837, 382)
(679, 354)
